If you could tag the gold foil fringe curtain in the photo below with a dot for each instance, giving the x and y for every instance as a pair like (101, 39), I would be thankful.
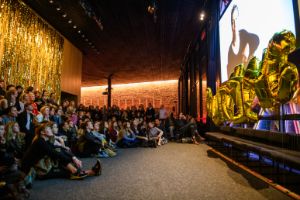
(30, 50)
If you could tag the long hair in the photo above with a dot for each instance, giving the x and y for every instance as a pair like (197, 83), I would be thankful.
(41, 128)
(9, 132)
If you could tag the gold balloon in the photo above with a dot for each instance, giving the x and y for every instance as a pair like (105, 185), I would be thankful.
(214, 104)
(278, 80)
(273, 80)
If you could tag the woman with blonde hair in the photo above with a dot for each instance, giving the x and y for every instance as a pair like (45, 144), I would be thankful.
(44, 114)
(15, 140)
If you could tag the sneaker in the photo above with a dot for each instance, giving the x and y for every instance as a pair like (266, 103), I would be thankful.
(97, 168)
(78, 175)
(102, 154)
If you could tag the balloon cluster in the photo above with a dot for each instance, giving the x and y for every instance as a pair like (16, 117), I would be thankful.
(273, 81)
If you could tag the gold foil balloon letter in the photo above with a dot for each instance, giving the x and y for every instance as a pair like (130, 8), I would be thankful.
(278, 79)
(273, 80)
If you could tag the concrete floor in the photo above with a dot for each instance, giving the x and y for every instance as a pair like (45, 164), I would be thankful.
(173, 171)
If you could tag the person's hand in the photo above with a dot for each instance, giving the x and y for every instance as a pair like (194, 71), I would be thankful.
(77, 162)
(67, 148)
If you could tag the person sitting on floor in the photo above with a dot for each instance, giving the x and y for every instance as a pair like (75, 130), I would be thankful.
(89, 145)
(42, 147)
(170, 126)
(155, 134)
(111, 132)
(15, 140)
(106, 148)
(12, 184)
(126, 137)
(141, 135)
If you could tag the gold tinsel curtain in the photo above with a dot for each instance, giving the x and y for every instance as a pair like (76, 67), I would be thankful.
(30, 50)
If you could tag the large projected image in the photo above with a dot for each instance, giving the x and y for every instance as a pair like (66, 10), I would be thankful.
(247, 26)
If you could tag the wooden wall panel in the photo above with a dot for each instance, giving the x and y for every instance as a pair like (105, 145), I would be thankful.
(71, 69)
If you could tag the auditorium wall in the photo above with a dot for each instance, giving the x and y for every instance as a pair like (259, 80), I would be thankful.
(124, 95)
(71, 69)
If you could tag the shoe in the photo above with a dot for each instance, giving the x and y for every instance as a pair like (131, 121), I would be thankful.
(78, 175)
(110, 153)
(97, 168)
(102, 154)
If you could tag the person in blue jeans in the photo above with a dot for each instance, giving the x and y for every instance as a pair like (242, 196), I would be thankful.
(126, 137)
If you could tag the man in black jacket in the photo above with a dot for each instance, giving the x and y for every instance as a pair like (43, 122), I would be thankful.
(150, 113)
(25, 120)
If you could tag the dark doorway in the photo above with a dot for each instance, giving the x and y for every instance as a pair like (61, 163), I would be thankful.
(69, 97)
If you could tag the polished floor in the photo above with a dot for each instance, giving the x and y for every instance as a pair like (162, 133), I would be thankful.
(174, 171)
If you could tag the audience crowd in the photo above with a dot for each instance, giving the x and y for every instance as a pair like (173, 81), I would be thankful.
(42, 139)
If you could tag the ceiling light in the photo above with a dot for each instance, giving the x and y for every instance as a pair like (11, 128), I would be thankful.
(58, 8)
(51, 1)
(86, 39)
(74, 26)
(64, 15)
(90, 43)
(82, 35)
(79, 31)
(70, 21)
(202, 16)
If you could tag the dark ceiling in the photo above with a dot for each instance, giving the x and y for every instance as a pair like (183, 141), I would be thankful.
(131, 45)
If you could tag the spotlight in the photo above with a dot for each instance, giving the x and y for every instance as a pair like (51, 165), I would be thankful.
(202, 16)
(58, 8)
(82, 35)
(74, 26)
(51, 1)
(64, 15)
(70, 21)
(79, 31)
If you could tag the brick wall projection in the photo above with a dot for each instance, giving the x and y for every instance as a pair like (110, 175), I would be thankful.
(124, 95)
